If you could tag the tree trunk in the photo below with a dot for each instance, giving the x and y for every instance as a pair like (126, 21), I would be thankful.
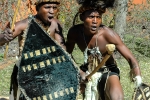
(120, 17)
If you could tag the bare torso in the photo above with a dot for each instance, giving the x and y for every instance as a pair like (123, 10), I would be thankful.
(90, 41)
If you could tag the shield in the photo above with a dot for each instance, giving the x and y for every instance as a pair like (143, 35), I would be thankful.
(46, 71)
(142, 92)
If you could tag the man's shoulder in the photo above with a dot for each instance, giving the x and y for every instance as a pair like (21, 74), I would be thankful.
(26, 20)
(57, 21)
(105, 28)
(107, 31)
(22, 23)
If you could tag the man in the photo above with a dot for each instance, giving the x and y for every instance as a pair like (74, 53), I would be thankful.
(46, 10)
(92, 37)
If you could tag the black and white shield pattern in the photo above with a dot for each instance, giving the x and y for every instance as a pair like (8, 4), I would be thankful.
(46, 71)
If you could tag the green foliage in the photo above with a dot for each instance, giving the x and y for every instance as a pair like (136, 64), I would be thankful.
(78, 56)
(67, 13)
(1, 56)
(143, 47)
(138, 44)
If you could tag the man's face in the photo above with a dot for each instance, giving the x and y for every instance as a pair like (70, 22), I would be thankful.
(47, 12)
(92, 20)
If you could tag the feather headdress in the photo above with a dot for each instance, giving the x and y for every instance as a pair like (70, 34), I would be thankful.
(95, 4)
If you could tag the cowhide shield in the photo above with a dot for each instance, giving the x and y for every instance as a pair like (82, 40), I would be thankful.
(46, 72)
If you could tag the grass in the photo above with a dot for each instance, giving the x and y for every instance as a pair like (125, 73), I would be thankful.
(128, 87)
(5, 75)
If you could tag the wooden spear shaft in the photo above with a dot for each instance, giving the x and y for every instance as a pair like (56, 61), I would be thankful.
(110, 49)
(12, 27)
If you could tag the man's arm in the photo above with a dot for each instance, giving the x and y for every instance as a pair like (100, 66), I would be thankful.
(135, 73)
(8, 35)
(114, 38)
(126, 53)
(59, 37)
(71, 40)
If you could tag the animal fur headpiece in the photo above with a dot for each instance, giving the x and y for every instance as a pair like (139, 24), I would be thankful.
(38, 3)
(100, 5)
(42, 1)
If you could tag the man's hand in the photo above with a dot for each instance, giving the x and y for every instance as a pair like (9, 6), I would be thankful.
(83, 76)
(137, 81)
(8, 34)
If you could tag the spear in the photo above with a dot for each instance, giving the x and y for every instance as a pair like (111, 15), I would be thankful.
(12, 27)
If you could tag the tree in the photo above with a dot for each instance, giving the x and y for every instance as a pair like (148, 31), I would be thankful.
(120, 17)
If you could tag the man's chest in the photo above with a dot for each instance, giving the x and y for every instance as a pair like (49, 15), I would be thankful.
(97, 41)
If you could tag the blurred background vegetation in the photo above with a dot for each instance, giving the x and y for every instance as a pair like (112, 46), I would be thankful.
(136, 36)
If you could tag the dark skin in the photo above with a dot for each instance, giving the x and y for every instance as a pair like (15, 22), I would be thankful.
(45, 14)
(88, 31)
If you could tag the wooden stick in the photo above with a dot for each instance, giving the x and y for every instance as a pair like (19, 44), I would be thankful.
(110, 49)
(12, 27)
